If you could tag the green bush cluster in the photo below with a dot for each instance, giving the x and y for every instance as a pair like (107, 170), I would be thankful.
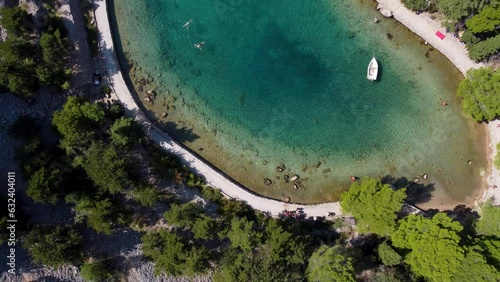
(26, 64)
(480, 91)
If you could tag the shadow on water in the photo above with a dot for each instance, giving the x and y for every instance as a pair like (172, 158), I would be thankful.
(417, 193)
(179, 133)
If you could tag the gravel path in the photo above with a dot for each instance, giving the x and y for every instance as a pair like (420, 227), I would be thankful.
(456, 52)
(72, 14)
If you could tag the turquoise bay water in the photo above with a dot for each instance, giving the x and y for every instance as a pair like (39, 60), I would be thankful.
(284, 82)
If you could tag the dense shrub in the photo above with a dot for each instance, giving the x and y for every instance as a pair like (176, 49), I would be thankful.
(481, 93)
(484, 49)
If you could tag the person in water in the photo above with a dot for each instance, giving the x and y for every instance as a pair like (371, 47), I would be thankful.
(199, 45)
(186, 25)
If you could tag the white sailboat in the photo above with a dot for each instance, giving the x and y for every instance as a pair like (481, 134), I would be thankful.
(372, 71)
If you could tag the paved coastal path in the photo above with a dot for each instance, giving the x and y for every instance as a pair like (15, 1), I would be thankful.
(212, 176)
(456, 52)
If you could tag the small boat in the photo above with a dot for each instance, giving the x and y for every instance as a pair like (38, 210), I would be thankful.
(372, 71)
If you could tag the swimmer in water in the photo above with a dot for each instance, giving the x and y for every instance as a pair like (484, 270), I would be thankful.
(199, 45)
(186, 25)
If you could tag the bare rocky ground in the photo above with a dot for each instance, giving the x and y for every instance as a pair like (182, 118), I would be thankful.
(124, 244)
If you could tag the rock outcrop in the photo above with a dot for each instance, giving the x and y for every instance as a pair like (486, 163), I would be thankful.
(384, 10)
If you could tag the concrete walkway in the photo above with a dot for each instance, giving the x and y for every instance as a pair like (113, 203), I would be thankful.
(212, 176)
(426, 28)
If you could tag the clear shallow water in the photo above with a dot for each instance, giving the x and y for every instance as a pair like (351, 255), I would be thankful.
(284, 82)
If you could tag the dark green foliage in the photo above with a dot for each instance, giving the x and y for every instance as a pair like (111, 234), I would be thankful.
(330, 264)
(167, 251)
(456, 9)
(486, 21)
(101, 214)
(125, 131)
(491, 249)
(196, 261)
(469, 38)
(105, 167)
(194, 181)
(53, 247)
(96, 271)
(76, 122)
(233, 208)
(284, 247)
(416, 5)
(480, 91)
(205, 228)
(43, 186)
(242, 234)
(474, 267)
(183, 215)
(433, 245)
(484, 49)
(212, 194)
(52, 71)
(374, 205)
(13, 20)
(163, 164)
(489, 223)
(25, 65)
(172, 256)
(388, 255)
(147, 196)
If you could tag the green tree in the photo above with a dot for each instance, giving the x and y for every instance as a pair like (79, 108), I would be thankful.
(416, 5)
(43, 186)
(196, 261)
(76, 122)
(481, 93)
(283, 245)
(433, 245)
(13, 20)
(147, 196)
(53, 50)
(374, 205)
(388, 255)
(125, 131)
(457, 9)
(242, 235)
(101, 214)
(205, 228)
(166, 250)
(105, 167)
(489, 224)
(330, 264)
(486, 21)
(253, 266)
(474, 267)
(484, 49)
(53, 247)
(96, 271)
(183, 215)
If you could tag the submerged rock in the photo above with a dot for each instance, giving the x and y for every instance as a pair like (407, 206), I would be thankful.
(286, 178)
(268, 181)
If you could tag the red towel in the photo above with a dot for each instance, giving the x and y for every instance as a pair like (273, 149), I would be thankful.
(440, 35)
